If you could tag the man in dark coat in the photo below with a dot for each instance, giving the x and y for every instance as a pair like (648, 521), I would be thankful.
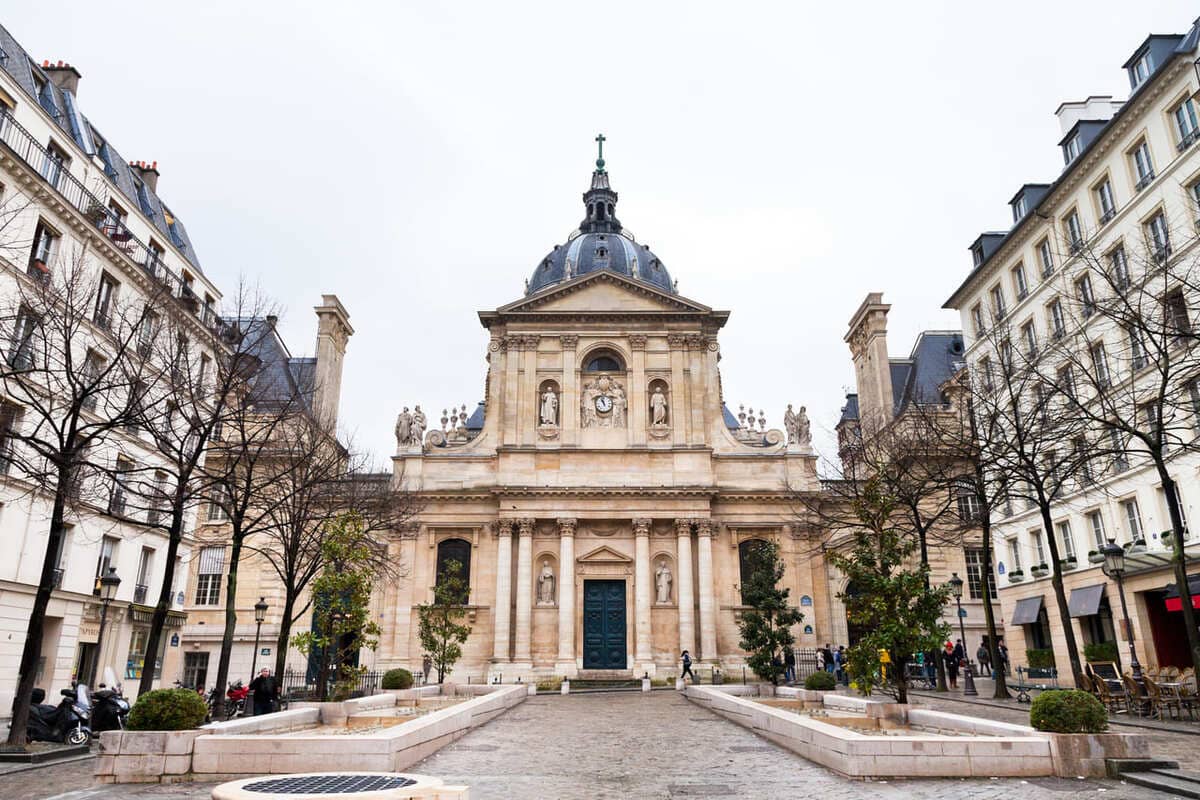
(266, 690)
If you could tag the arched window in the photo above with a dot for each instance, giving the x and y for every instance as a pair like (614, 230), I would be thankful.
(745, 549)
(451, 552)
(604, 361)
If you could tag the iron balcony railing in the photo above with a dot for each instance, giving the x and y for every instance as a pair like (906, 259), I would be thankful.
(57, 579)
(139, 593)
(1144, 181)
(1188, 139)
(95, 207)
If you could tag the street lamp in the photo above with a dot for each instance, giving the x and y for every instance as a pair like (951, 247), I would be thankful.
(1114, 565)
(108, 590)
(956, 587)
(260, 614)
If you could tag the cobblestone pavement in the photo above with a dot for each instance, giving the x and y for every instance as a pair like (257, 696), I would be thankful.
(629, 746)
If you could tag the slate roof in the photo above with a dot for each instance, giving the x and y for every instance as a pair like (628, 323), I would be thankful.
(62, 107)
(588, 252)
(935, 358)
(283, 375)
(850, 410)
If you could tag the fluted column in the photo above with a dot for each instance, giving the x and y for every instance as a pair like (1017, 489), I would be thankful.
(503, 608)
(524, 634)
(641, 593)
(566, 597)
(687, 617)
(704, 577)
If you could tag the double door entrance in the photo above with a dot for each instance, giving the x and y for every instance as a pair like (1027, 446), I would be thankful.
(604, 630)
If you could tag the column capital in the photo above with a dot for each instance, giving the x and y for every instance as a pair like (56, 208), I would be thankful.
(568, 341)
(637, 341)
(566, 526)
(641, 526)
(504, 527)
(683, 527)
(526, 525)
(676, 340)
(705, 527)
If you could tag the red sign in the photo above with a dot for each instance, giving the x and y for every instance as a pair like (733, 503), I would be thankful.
(1176, 603)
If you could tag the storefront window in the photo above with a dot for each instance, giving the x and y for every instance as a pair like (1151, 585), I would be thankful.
(137, 654)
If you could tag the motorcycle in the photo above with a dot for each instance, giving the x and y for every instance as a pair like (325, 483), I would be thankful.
(69, 722)
(235, 700)
(111, 710)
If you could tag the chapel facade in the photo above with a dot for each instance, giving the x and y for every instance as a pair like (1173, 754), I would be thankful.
(602, 498)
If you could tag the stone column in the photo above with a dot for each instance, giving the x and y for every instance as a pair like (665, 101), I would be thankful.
(704, 577)
(643, 658)
(568, 408)
(523, 638)
(503, 607)
(679, 392)
(687, 618)
(566, 597)
(636, 410)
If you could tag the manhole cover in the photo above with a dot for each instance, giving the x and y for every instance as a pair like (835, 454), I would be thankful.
(701, 790)
(328, 784)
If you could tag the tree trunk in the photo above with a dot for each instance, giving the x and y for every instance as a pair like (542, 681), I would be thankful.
(37, 619)
(901, 668)
(159, 620)
(285, 633)
(235, 553)
(989, 614)
(1181, 577)
(1060, 596)
(939, 662)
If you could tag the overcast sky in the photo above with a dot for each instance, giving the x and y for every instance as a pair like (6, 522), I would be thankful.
(419, 159)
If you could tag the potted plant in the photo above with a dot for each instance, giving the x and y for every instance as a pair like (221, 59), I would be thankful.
(1068, 563)
(96, 212)
(1136, 546)
(1040, 570)
(1016, 576)
(1095, 557)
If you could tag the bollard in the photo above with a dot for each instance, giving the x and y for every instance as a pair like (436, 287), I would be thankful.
(566, 686)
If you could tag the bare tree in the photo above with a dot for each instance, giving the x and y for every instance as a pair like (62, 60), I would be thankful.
(72, 376)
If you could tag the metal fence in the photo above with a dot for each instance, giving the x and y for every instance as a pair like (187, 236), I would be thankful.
(296, 685)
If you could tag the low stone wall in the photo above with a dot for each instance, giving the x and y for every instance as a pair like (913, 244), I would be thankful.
(222, 751)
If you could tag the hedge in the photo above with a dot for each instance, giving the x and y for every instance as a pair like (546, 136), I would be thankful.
(397, 679)
(168, 710)
(820, 681)
(1068, 711)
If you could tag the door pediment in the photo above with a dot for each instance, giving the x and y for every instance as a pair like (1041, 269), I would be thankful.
(604, 555)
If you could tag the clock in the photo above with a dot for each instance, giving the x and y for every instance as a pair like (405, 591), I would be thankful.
(604, 404)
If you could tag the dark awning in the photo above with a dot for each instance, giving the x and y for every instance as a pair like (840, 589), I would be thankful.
(1174, 601)
(1027, 610)
(1086, 601)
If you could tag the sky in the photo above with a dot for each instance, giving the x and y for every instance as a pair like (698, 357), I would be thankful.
(419, 159)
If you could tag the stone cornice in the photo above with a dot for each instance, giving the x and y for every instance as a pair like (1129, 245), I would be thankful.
(604, 491)
(669, 301)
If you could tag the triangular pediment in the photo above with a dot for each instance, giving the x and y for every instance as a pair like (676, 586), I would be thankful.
(604, 555)
(603, 292)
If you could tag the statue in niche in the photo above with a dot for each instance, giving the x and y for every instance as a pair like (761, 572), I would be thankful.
(603, 403)
(549, 411)
(403, 427)
(416, 432)
(658, 407)
(545, 591)
(662, 582)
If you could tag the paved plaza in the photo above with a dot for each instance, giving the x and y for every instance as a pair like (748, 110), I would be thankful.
(629, 746)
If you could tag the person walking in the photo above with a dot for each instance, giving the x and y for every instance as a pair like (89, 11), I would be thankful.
(1003, 648)
(951, 665)
(265, 689)
(828, 655)
(840, 675)
(686, 658)
(930, 664)
(789, 665)
(985, 660)
(426, 668)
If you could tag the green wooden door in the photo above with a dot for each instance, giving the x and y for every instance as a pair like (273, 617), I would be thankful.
(604, 625)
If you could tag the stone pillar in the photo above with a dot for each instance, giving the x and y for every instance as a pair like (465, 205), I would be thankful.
(679, 392)
(522, 652)
(704, 578)
(568, 408)
(636, 410)
(503, 609)
(687, 618)
(643, 657)
(566, 598)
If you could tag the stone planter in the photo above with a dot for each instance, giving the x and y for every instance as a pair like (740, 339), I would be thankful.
(1040, 572)
(1016, 577)
(1080, 755)
(1095, 557)
(145, 756)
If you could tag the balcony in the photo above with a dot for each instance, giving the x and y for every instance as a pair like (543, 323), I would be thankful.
(139, 593)
(1188, 139)
(56, 579)
(1144, 181)
(95, 208)
(1107, 216)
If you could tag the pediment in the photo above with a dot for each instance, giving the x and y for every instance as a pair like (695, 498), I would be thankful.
(603, 292)
(604, 555)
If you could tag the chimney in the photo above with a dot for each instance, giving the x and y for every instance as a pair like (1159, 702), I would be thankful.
(147, 172)
(64, 76)
(1095, 108)
(333, 332)
(867, 338)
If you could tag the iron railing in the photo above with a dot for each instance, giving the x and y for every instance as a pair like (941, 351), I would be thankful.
(139, 593)
(95, 207)
(298, 685)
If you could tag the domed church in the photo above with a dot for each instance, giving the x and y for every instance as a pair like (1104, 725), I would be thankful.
(601, 498)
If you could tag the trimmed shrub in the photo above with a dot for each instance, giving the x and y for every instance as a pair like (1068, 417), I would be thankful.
(1068, 711)
(820, 681)
(1040, 659)
(397, 679)
(168, 710)
(1100, 651)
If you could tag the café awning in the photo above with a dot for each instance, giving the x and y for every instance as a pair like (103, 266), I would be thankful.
(1085, 601)
(1027, 610)
(1174, 602)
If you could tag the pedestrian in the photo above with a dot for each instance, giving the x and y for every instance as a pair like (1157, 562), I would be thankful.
(265, 689)
(930, 664)
(789, 665)
(985, 659)
(820, 660)
(839, 663)
(776, 669)
(828, 654)
(686, 657)
(1003, 648)
(951, 665)
(426, 667)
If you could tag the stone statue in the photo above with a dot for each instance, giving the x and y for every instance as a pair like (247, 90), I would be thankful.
(662, 581)
(789, 424)
(618, 401)
(403, 427)
(549, 413)
(416, 433)
(603, 403)
(587, 405)
(545, 591)
(803, 429)
(658, 407)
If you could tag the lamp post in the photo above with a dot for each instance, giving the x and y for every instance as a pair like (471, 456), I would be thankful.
(108, 590)
(956, 587)
(1114, 565)
(260, 614)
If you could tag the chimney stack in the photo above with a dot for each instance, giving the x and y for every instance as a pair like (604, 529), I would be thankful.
(147, 172)
(333, 332)
(867, 337)
(62, 75)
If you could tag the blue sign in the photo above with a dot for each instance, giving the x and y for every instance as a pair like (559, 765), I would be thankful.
(174, 640)
(962, 612)
(1000, 567)
(808, 629)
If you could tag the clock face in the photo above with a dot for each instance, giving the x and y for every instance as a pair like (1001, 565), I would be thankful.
(603, 404)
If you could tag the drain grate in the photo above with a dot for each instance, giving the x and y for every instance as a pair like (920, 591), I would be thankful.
(333, 783)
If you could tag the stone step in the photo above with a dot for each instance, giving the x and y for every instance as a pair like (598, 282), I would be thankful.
(1117, 767)
(1180, 774)
(1164, 781)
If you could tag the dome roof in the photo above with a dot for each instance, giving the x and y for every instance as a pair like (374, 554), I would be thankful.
(600, 243)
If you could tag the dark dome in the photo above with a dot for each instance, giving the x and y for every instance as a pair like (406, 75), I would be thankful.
(588, 252)
(600, 243)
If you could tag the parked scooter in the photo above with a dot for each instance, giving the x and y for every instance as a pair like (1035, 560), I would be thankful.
(69, 722)
(235, 700)
(110, 710)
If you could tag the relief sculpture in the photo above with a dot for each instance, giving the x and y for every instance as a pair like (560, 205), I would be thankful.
(603, 403)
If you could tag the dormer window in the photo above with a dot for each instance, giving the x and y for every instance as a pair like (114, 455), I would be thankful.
(1071, 149)
(977, 254)
(1018, 208)
(1139, 70)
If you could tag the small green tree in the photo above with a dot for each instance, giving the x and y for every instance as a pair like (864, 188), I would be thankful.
(893, 601)
(766, 628)
(441, 628)
(341, 610)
